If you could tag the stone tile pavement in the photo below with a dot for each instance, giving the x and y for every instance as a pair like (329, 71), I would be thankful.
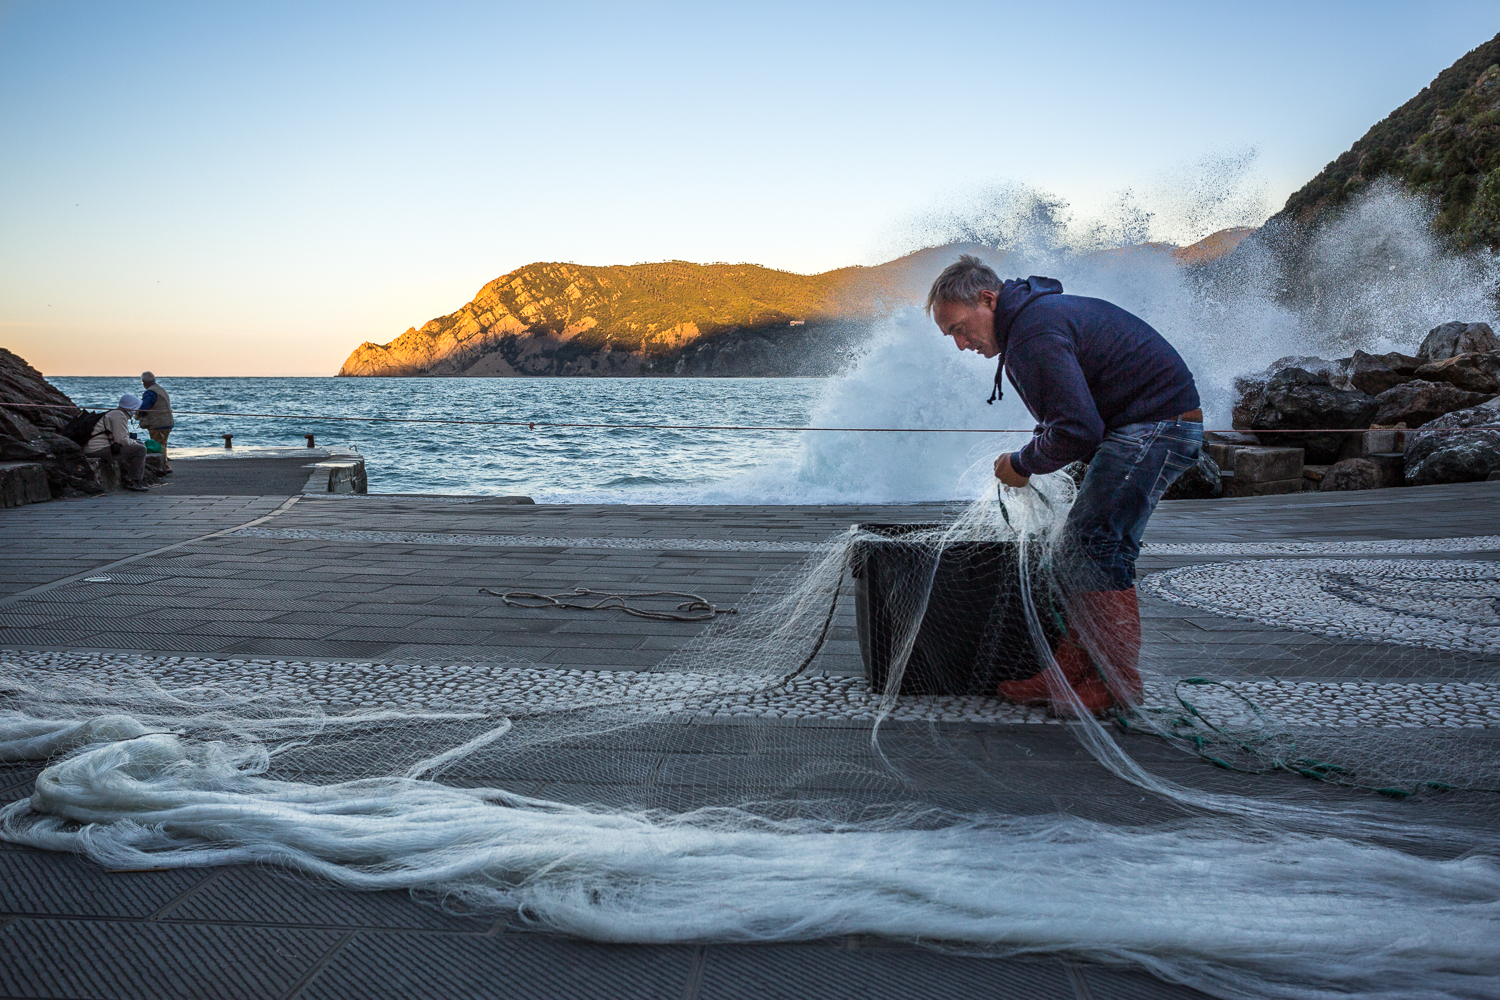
(341, 581)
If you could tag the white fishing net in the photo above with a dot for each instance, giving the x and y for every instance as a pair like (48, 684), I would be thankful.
(1328, 831)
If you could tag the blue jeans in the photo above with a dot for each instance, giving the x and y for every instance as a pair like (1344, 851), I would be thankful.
(1127, 476)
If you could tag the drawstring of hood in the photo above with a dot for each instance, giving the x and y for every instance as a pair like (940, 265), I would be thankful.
(1014, 296)
(999, 391)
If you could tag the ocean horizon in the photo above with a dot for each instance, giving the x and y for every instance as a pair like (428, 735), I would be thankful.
(590, 465)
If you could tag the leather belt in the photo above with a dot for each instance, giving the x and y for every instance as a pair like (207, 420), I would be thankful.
(1196, 416)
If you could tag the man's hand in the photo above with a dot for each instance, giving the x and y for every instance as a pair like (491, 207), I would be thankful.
(1007, 475)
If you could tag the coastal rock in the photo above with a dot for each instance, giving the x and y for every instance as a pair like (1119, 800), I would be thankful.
(33, 413)
(1248, 392)
(1250, 389)
(1375, 373)
(1297, 399)
(1458, 338)
(1200, 482)
(1417, 402)
(1475, 372)
(1458, 447)
(1352, 474)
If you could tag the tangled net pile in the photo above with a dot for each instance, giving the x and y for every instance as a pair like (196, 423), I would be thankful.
(1242, 895)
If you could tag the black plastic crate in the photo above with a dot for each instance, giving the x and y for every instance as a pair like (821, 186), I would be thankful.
(973, 633)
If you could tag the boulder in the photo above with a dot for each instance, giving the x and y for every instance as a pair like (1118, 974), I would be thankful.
(1297, 399)
(1375, 373)
(1200, 482)
(33, 413)
(1416, 402)
(1458, 338)
(1475, 372)
(1249, 389)
(1460, 447)
(1352, 474)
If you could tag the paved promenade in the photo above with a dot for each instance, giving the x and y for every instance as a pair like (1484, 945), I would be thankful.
(382, 593)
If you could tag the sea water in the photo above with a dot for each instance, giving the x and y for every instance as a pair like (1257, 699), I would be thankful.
(906, 381)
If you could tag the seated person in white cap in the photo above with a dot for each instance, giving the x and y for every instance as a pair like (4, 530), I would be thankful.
(112, 441)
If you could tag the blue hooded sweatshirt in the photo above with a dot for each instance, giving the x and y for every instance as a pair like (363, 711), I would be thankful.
(1083, 367)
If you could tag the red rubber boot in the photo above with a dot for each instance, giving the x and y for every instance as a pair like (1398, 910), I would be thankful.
(1034, 690)
(1113, 621)
(1113, 618)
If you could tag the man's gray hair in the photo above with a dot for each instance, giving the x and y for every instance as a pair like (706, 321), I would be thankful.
(962, 281)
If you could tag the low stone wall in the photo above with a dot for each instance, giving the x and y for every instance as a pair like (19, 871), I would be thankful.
(23, 483)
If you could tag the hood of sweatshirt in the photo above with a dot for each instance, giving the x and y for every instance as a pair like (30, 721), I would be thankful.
(1016, 295)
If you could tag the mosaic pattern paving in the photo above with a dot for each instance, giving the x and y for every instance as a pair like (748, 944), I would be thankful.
(1435, 604)
(496, 686)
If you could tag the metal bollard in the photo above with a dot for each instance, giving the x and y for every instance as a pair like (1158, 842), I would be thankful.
(309, 440)
(227, 438)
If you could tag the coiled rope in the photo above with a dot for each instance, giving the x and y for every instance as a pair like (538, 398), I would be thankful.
(693, 609)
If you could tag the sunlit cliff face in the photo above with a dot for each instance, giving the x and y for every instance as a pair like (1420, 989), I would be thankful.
(972, 327)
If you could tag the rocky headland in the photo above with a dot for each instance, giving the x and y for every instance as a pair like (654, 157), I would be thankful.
(1431, 416)
(677, 318)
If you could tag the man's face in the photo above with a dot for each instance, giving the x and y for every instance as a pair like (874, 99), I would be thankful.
(972, 327)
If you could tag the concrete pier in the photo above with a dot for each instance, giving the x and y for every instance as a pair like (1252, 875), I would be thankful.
(272, 580)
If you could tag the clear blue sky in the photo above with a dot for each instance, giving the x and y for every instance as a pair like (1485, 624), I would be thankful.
(222, 188)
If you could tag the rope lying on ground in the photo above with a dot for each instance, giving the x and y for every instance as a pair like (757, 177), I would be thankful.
(694, 609)
(534, 424)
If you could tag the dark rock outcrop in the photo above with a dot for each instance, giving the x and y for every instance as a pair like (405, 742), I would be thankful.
(1460, 447)
(1375, 373)
(1250, 389)
(1476, 372)
(1352, 474)
(1297, 399)
(33, 413)
(1450, 339)
(1416, 402)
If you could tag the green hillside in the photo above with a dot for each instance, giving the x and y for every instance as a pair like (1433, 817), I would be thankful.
(1443, 143)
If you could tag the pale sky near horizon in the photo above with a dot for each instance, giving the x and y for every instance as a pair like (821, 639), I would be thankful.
(255, 188)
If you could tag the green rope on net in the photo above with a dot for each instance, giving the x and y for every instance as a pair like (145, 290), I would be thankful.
(1187, 730)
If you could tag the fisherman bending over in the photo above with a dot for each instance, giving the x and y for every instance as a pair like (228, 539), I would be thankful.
(1107, 389)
